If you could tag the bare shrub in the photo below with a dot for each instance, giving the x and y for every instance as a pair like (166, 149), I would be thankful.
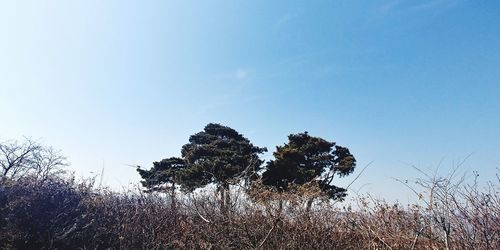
(30, 158)
(69, 214)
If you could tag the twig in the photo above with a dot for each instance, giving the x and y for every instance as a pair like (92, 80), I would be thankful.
(268, 234)
(416, 238)
(360, 173)
(378, 237)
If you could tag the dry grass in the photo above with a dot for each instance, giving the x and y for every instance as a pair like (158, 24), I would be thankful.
(65, 214)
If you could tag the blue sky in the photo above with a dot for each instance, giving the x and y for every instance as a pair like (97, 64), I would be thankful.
(399, 82)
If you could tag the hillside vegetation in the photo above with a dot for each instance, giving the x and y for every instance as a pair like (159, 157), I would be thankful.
(65, 214)
(220, 195)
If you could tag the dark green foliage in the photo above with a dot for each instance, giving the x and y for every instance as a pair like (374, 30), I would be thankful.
(305, 160)
(219, 155)
(165, 172)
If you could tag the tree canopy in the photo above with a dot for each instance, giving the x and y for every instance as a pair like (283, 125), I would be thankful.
(308, 160)
(218, 154)
(164, 173)
(222, 156)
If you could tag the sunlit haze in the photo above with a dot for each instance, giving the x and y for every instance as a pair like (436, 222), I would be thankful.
(116, 84)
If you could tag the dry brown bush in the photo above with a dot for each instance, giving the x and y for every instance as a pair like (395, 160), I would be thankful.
(66, 214)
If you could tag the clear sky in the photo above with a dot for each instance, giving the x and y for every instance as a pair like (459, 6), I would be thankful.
(120, 82)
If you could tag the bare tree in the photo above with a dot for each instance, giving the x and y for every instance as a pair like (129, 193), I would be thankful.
(30, 158)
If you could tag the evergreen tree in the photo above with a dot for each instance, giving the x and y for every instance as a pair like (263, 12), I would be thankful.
(307, 160)
(222, 156)
(218, 155)
(163, 176)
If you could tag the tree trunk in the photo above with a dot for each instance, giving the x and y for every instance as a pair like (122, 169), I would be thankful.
(172, 199)
(309, 204)
(220, 194)
(225, 199)
(280, 207)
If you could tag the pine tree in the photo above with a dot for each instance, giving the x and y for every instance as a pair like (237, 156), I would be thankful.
(222, 156)
(218, 155)
(307, 160)
(163, 176)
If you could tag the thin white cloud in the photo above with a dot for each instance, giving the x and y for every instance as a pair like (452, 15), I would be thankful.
(242, 74)
(238, 74)
(286, 18)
